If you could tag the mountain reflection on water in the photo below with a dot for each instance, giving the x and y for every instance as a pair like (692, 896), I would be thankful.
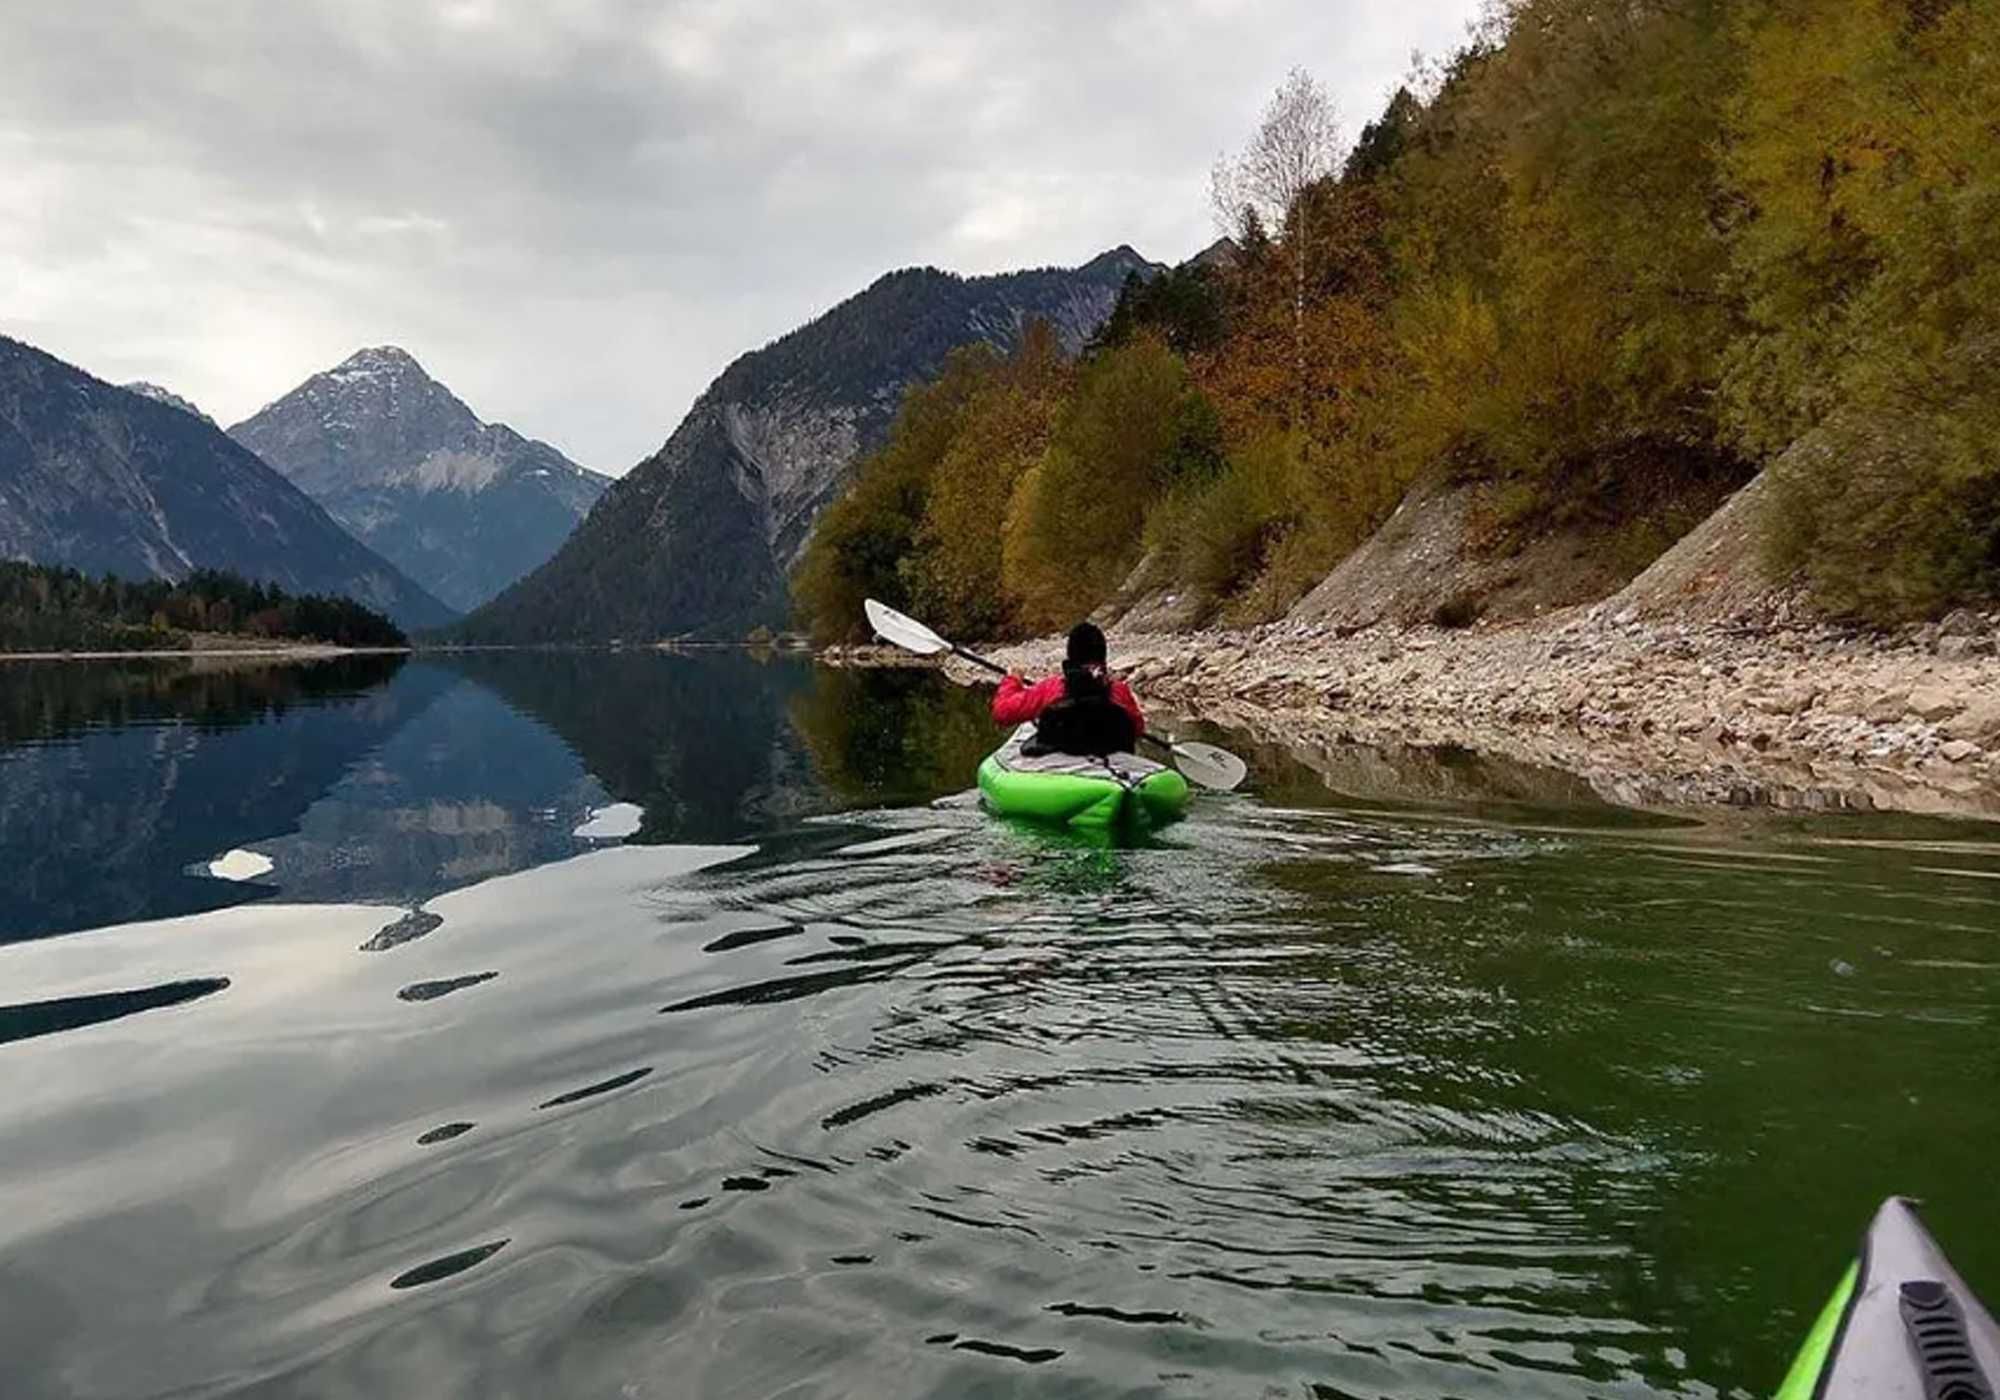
(386, 780)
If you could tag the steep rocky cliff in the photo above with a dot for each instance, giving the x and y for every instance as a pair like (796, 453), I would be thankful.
(109, 481)
(462, 506)
(697, 539)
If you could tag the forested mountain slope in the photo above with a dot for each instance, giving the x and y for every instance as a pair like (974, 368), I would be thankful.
(698, 538)
(110, 481)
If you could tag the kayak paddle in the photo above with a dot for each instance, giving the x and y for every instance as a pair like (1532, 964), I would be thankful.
(1205, 764)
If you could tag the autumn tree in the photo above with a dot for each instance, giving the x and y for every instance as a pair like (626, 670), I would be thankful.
(1002, 432)
(1297, 146)
(864, 544)
(1134, 424)
(1864, 159)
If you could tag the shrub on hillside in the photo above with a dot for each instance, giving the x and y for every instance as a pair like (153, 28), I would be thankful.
(1460, 610)
(1891, 508)
(1561, 283)
(1213, 532)
(1863, 148)
(1133, 427)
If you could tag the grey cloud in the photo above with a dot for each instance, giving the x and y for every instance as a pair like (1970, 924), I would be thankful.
(576, 213)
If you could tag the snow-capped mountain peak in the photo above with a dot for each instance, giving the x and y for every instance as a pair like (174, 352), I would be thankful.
(400, 460)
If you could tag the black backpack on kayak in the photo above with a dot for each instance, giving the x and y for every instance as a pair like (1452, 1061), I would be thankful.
(1086, 721)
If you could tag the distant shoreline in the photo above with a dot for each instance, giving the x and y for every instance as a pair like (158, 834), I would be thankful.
(788, 649)
(314, 651)
(302, 652)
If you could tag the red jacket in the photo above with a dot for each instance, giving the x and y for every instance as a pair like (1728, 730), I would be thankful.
(1018, 703)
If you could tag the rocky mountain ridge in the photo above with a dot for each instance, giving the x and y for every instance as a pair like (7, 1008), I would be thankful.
(106, 480)
(145, 388)
(463, 506)
(699, 536)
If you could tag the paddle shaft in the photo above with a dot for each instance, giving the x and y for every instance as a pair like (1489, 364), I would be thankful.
(976, 659)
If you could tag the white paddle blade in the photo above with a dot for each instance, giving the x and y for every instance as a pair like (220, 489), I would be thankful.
(1208, 766)
(905, 632)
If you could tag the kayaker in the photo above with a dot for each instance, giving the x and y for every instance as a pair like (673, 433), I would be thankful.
(1085, 710)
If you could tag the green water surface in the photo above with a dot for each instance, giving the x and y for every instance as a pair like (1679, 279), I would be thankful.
(1418, 1074)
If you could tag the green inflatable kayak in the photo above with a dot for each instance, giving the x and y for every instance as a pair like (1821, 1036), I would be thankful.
(1902, 1325)
(1083, 792)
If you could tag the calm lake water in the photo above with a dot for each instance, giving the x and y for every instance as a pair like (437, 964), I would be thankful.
(795, 1074)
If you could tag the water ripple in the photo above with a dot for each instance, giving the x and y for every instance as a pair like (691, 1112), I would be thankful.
(921, 1104)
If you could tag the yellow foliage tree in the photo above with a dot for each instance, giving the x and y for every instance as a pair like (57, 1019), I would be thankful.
(1002, 432)
(1133, 424)
(1865, 152)
(863, 545)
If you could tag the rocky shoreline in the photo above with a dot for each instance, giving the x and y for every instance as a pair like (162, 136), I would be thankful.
(1647, 713)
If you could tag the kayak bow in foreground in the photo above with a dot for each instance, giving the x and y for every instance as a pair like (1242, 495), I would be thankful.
(1902, 1325)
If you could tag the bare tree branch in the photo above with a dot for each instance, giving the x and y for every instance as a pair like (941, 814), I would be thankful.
(1225, 198)
(1297, 145)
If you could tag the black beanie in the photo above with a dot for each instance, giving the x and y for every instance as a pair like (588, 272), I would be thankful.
(1086, 645)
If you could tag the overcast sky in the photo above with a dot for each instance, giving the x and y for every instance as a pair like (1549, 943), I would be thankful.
(576, 212)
